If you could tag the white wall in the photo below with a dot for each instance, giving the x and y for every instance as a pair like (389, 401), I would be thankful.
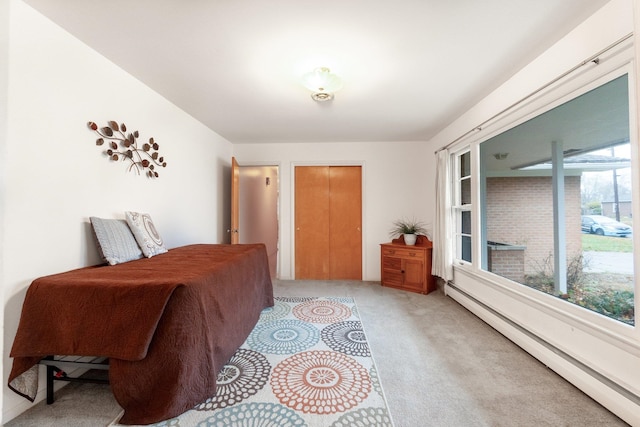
(601, 345)
(397, 183)
(56, 177)
(4, 85)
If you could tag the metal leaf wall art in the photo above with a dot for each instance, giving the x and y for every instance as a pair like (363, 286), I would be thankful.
(143, 158)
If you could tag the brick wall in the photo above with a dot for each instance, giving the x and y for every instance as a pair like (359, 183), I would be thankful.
(507, 261)
(519, 211)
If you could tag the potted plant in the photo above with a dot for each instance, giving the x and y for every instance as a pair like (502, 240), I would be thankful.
(409, 228)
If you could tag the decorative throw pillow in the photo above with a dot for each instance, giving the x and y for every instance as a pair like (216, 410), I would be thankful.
(116, 243)
(145, 233)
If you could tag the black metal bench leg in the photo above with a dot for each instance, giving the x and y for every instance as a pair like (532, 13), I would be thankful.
(54, 373)
(50, 373)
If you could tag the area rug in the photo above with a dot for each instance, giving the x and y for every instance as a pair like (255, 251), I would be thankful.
(306, 363)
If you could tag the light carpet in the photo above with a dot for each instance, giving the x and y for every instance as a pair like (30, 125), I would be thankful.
(306, 363)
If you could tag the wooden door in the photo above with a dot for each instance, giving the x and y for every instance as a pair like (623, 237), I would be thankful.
(312, 222)
(345, 213)
(328, 219)
(235, 201)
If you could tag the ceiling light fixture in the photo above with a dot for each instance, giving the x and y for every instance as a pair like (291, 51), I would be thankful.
(322, 83)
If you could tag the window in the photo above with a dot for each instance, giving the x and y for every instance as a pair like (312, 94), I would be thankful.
(556, 202)
(462, 205)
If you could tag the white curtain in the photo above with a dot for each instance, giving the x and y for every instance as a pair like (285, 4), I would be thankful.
(442, 244)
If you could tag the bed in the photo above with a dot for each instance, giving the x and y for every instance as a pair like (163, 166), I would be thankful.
(168, 324)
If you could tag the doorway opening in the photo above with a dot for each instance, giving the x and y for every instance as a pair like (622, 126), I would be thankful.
(258, 209)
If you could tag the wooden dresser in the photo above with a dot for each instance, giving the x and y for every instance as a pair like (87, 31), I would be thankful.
(407, 267)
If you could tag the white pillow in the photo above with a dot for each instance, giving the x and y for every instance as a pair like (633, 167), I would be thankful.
(116, 243)
(145, 233)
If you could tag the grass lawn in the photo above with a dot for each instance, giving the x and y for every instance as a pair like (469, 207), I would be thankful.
(593, 242)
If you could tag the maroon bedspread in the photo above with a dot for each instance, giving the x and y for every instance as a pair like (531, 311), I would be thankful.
(167, 323)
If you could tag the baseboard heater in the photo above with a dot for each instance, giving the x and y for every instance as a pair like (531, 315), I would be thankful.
(588, 370)
(55, 371)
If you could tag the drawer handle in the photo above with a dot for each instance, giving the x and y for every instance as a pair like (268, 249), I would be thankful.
(412, 254)
(392, 252)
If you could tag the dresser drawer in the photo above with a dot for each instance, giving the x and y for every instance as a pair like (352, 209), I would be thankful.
(406, 253)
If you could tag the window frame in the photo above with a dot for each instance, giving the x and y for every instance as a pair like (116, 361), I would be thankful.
(459, 208)
(615, 64)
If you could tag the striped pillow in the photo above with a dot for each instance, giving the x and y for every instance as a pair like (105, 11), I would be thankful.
(116, 243)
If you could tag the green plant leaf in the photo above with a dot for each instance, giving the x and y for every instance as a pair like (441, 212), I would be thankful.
(406, 226)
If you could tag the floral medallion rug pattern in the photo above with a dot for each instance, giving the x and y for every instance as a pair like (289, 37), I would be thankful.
(306, 363)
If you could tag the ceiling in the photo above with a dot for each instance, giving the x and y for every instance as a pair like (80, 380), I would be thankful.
(409, 67)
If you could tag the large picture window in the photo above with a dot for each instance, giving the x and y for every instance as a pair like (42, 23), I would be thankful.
(556, 202)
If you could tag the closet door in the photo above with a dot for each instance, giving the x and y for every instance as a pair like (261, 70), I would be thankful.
(345, 222)
(328, 222)
(312, 222)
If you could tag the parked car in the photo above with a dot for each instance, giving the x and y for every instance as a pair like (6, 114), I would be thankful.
(604, 226)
